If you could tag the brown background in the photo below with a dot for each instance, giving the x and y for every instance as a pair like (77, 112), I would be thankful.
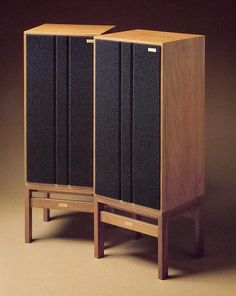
(215, 19)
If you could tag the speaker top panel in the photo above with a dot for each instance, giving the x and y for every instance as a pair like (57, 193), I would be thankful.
(67, 29)
(147, 37)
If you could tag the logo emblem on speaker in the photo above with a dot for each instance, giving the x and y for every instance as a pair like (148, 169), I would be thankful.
(152, 49)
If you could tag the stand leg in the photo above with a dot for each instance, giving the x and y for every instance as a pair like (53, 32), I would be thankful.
(138, 235)
(163, 252)
(28, 216)
(98, 231)
(46, 212)
(199, 233)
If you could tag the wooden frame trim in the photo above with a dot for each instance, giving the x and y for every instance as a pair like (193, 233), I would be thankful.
(69, 29)
(151, 37)
(129, 207)
(129, 223)
(161, 231)
(185, 208)
(63, 189)
(47, 203)
(62, 204)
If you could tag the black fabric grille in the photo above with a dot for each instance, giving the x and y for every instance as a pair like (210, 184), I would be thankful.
(127, 122)
(59, 110)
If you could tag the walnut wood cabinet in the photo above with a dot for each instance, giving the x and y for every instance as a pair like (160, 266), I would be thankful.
(58, 65)
(148, 133)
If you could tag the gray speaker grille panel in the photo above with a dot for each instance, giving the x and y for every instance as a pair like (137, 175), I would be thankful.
(146, 124)
(59, 110)
(40, 109)
(128, 122)
(108, 119)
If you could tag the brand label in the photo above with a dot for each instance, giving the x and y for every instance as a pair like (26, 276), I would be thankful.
(63, 205)
(128, 223)
(89, 40)
(152, 49)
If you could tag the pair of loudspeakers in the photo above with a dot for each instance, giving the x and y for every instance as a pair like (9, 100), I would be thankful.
(118, 118)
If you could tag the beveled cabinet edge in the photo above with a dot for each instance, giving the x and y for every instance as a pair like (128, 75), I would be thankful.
(151, 37)
(69, 29)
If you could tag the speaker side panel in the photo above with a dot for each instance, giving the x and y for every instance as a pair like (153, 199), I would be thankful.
(40, 94)
(80, 112)
(146, 125)
(107, 119)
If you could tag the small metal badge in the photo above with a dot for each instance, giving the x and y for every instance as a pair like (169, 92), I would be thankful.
(152, 49)
(128, 223)
(63, 205)
(90, 40)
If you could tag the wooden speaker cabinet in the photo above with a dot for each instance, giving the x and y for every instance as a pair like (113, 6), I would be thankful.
(58, 65)
(149, 133)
